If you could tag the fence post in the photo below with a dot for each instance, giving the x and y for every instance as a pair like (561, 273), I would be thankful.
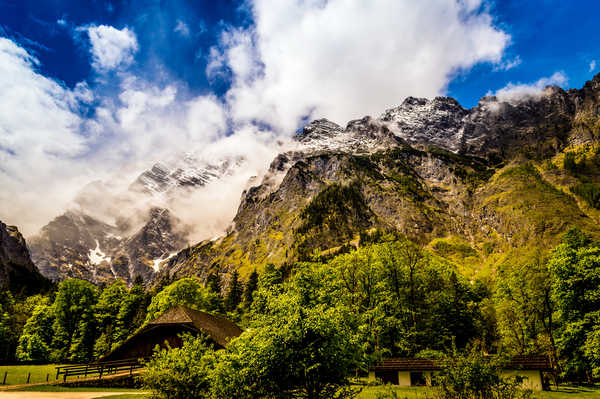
(101, 369)
(131, 370)
(65, 375)
(47, 377)
(4, 381)
(86, 371)
(28, 377)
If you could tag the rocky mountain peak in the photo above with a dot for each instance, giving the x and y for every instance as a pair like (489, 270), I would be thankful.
(183, 171)
(419, 120)
(318, 130)
(17, 271)
(161, 237)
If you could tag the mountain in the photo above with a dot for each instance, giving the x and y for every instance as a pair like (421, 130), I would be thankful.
(17, 271)
(75, 245)
(475, 185)
(183, 171)
(145, 232)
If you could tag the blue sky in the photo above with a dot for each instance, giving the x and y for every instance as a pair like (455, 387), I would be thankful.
(64, 56)
(100, 90)
(547, 36)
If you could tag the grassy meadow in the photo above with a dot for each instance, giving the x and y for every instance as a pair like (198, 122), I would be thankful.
(17, 375)
(563, 392)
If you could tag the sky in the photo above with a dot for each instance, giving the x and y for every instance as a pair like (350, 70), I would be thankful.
(102, 89)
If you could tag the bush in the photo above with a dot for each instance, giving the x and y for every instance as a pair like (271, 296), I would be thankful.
(475, 376)
(291, 352)
(300, 353)
(181, 373)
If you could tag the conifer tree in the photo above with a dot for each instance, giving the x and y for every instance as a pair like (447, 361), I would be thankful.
(234, 294)
(250, 287)
(213, 283)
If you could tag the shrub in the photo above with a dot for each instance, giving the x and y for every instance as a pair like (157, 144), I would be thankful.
(181, 373)
(294, 352)
(472, 375)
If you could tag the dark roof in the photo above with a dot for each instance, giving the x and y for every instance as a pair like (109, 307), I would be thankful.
(166, 329)
(406, 364)
(529, 362)
(524, 362)
(218, 329)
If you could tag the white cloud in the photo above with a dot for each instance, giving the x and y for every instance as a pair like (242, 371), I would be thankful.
(508, 64)
(111, 48)
(471, 5)
(182, 28)
(39, 140)
(339, 59)
(342, 59)
(592, 65)
(83, 93)
(49, 150)
(517, 92)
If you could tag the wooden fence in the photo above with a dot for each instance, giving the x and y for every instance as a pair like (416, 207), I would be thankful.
(98, 369)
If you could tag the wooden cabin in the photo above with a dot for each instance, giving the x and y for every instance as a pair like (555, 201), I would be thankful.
(167, 328)
(411, 372)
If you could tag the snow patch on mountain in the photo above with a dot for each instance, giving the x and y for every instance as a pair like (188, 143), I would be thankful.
(157, 262)
(184, 171)
(96, 256)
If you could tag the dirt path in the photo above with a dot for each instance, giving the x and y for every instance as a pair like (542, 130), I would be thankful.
(57, 395)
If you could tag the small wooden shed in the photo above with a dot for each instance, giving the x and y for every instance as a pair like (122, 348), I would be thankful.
(166, 329)
(410, 371)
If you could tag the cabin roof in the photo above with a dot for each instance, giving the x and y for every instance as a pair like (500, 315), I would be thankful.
(523, 362)
(217, 328)
(177, 319)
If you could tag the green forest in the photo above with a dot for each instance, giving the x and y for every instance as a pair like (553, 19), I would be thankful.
(312, 326)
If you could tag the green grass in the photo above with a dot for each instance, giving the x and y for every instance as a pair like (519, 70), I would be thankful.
(427, 393)
(58, 388)
(18, 374)
(571, 393)
(402, 393)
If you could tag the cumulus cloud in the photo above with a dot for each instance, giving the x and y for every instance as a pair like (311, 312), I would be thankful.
(39, 139)
(210, 211)
(111, 48)
(343, 59)
(338, 59)
(516, 92)
(592, 65)
(50, 149)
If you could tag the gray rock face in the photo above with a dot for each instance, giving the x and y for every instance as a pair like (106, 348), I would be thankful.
(494, 128)
(489, 129)
(434, 149)
(17, 271)
(186, 171)
(418, 169)
(75, 245)
(439, 121)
